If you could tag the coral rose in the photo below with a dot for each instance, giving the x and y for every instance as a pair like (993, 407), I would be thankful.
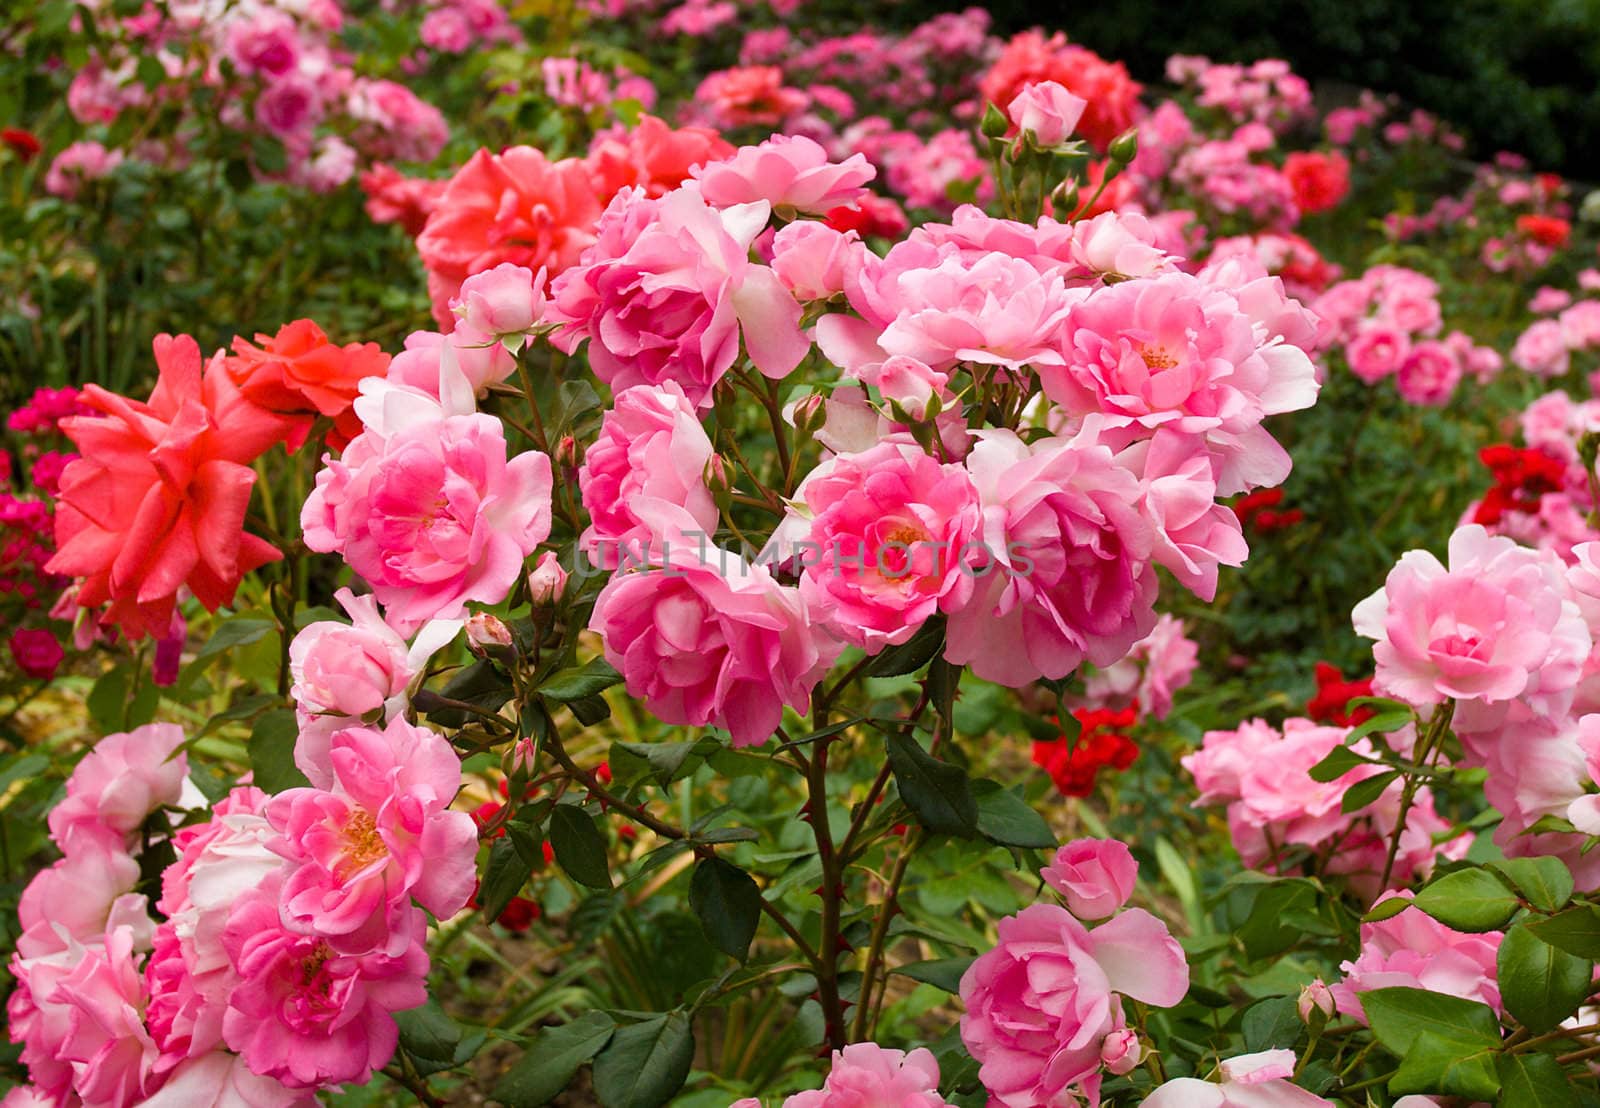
(300, 372)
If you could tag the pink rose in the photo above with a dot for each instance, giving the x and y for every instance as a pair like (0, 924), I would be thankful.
(108, 1048)
(1494, 626)
(1259, 1080)
(428, 509)
(307, 1014)
(1095, 876)
(80, 895)
(1046, 112)
(1377, 350)
(267, 42)
(790, 172)
(1542, 350)
(121, 781)
(547, 581)
(705, 639)
(473, 354)
(651, 444)
(1067, 573)
(1429, 374)
(667, 291)
(907, 383)
(814, 261)
(1413, 950)
(1041, 1003)
(222, 1080)
(505, 300)
(289, 106)
(1121, 1052)
(381, 833)
(79, 163)
(866, 1074)
(893, 533)
(1193, 535)
(1147, 676)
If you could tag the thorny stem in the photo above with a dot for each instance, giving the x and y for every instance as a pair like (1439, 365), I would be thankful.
(1438, 725)
(880, 931)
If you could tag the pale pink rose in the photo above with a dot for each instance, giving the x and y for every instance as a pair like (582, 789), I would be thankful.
(1315, 997)
(475, 355)
(1123, 243)
(547, 581)
(505, 300)
(1377, 350)
(107, 1046)
(1542, 350)
(1047, 113)
(1094, 876)
(906, 382)
(223, 1080)
(791, 173)
(864, 1075)
(429, 510)
(41, 1022)
(1179, 351)
(77, 164)
(1580, 325)
(1495, 626)
(667, 291)
(1041, 1003)
(651, 444)
(382, 833)
(814, 261)
(121, 781)
(304, 1013)
(1549, 299)
(31, 1096)
(77, 897)
(1248, 1081)
(348, 670)
(705, 639)
(1342, 305)
(394, 123)
(1158, 666)
(1193, 535)
(892, 534)
(1068, 574)
(1050, 246)
(1429, 374)
(188, 974)
(1413, 950)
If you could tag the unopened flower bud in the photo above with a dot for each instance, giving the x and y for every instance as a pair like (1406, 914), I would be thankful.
(1065, 197)
(1316, 1000)
(716, 475)
(547, 581)
(809, 414)
(485, 631)
(994, 124)
(1121, 1051)
(567, 452)
(1124, 148)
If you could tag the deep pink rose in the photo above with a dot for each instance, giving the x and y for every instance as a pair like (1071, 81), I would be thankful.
(1095, 876)
(789, 172)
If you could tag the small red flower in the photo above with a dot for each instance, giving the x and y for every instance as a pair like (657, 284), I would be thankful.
(24, 143)
(1522, 476)
(1546, 230)
(1331, 704)
(1074, 766)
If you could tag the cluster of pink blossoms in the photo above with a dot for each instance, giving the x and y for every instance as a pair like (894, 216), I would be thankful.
(1266, 91)
(1506, 635)
(1549, 347)
(277, 72)
(1387, 323)
(1279, 817)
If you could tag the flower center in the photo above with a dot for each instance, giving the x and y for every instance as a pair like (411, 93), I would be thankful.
(363, 844)
(1156, 358)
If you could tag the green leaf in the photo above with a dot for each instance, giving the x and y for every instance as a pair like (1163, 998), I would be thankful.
(579, 846)
(728, 903)
(107, 698)
(1365, 791)
(508, 869)
(1576, 931)
(663, 759)
(552, 1059)
(939, 793)
(1387, 908)
(645, 1064)
(1539, 984)
(1546, 883)
(269, 154)
(1446, 1045)
(1005, 818)
(1472, 900)
(1534, 1081)
(1338, 762)
(427, 1032)
(590, 710)
(1383, 721)
(272, 752)
(1272, 1024)
(942, 973)
(593, 677)
(911, 655)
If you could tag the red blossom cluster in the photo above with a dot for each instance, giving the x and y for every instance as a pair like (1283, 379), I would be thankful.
(1259, 510)
(1075, 764)
(1522, 475)
(1331, 702)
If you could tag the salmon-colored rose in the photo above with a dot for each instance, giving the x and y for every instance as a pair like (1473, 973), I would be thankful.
(157, 501)
(300, 372)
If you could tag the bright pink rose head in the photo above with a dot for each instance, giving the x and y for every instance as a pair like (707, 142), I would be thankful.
(1067, 574)
(1429, 374)
(1416, 951)
(667, 292)
(791, 173)
(1494, 626)
(865, 1075)
(1041, 1003)
(306, 1014)
(505, 300)
(431, 513)
(1378, 350)
(107, 1046)
(383, 832)
(814, 261)
(348, 669)
(80, 895)
(120, 782)
(706, 639)
(1047, 113)
(893, 533)
(1095, 876)
(36, 651)
(651, 444)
